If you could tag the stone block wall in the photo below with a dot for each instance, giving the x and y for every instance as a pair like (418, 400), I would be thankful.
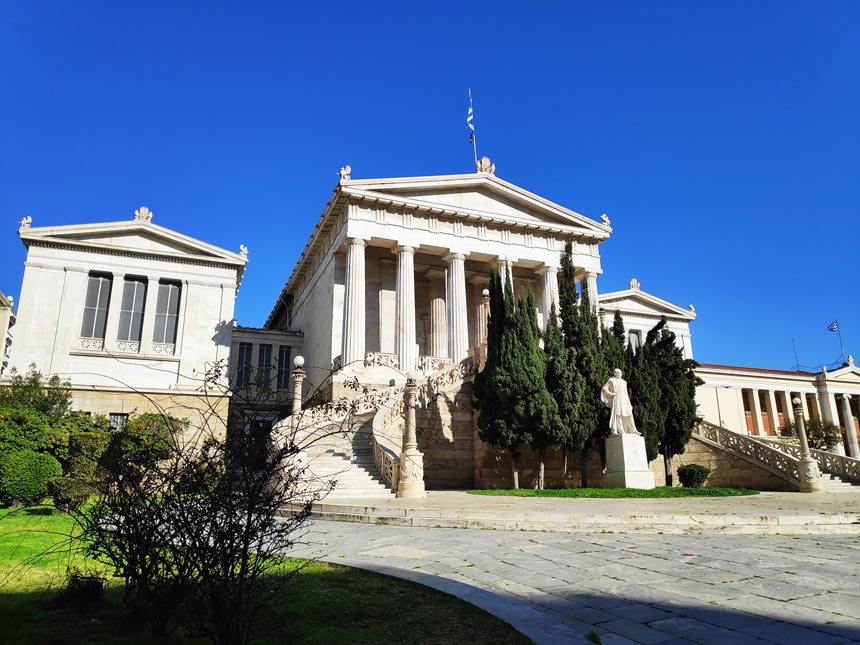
(447, 439)
(729, 469)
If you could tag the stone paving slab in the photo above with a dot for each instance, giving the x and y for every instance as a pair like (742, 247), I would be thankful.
(556, 587)
(763, 514)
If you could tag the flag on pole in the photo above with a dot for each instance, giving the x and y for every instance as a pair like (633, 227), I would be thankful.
(834, 326)
(470, 120)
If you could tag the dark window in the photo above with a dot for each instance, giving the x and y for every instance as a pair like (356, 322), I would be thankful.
(131, 312)
(284, 367)
(243, 369)
(117, 421)
(264, 366)
(96, 306)
(166, 313)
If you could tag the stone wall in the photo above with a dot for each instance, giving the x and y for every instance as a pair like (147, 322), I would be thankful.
(206, 414)
(729, 469)
(446, 436)
(454, 457)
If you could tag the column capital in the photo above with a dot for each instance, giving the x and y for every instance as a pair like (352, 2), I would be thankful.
(454, 255)
(846, 396)
(355, 241)
(545, 269)
(403, 248)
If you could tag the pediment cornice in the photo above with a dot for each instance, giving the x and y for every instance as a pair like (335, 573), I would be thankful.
(647, 300)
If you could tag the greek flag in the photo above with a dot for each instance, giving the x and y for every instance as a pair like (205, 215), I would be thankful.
(470, 119)
(834, 326)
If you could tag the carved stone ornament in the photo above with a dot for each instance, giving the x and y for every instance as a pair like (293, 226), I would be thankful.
(143, 214)
(25, 223)
(243, 250)
(345, 172)
(485, 165)
(605, 219)
(634, 284)
(692, 308)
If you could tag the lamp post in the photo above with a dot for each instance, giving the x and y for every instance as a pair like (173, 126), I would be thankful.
(298, 377)
(807, 468)
(411, 484)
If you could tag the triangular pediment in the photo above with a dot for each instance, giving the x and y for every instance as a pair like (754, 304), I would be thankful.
(637, 302)
(480, 196)
(134, 237)
(848, 374)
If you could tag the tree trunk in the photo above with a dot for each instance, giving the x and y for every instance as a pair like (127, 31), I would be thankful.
(667, 464)
(564, 467)
(583, 454)
(516, 473)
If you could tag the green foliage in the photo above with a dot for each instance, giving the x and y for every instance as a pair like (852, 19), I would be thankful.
(612, 345)
(820, 435)
(88, 437)
(644, 387)
(510, 391)
(579, 325)
(51, 398)
(22, 427)
(24, 476)
(693, 475)
(146, 439)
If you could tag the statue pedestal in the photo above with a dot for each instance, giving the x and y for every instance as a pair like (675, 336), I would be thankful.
(627, 463)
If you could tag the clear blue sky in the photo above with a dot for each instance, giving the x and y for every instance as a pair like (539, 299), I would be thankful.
(721, 138)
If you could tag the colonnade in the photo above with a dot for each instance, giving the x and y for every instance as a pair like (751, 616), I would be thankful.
(448, 335)
(827, 406)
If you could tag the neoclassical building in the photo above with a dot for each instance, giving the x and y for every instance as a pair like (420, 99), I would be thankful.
(132, 313)
(392, 277)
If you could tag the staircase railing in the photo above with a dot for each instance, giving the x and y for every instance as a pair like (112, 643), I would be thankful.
(776, 461)
(388, 421)
(843, 467)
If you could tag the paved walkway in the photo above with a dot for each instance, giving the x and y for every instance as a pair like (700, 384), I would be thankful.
(763, 514)
(555, 587)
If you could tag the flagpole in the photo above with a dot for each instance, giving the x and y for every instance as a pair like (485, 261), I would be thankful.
(841, 348)
(471, 125)
(796, 362)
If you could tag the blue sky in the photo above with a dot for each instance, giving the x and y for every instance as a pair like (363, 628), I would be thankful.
(721, 138)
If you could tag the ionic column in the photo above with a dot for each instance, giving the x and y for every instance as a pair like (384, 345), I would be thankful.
(827, 405)
(550, 290)
(772, 415)
(404, 312)
(458, 326)
(591, 279)
(437, 344)
(352, 353)
(788, 407)
(758, 422)
(850, 429)
(505, 267)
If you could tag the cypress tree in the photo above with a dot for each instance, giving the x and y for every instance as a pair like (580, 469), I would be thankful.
(612, 344)
(678, 383)
(565, 385)
(644, 387)
(538, 416)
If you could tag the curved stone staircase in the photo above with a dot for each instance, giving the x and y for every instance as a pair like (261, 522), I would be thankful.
(838, 473)
(338, 442)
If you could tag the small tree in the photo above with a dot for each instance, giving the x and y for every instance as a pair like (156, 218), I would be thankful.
(821, 435)
(51, 397)
(644, 386)
(565, 385)
(536, 407)
(199, 532)
(678, 382)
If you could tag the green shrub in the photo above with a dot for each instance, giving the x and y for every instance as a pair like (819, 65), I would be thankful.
(693, 475)
(25, 428)
(24, 476)
(146, 439)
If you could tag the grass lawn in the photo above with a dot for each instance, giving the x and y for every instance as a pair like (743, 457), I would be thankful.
(594, 493)
(324, 604)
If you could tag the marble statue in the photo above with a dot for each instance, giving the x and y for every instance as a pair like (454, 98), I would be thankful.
(614, 396)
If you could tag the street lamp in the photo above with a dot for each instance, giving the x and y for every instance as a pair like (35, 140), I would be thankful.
(807, 467)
